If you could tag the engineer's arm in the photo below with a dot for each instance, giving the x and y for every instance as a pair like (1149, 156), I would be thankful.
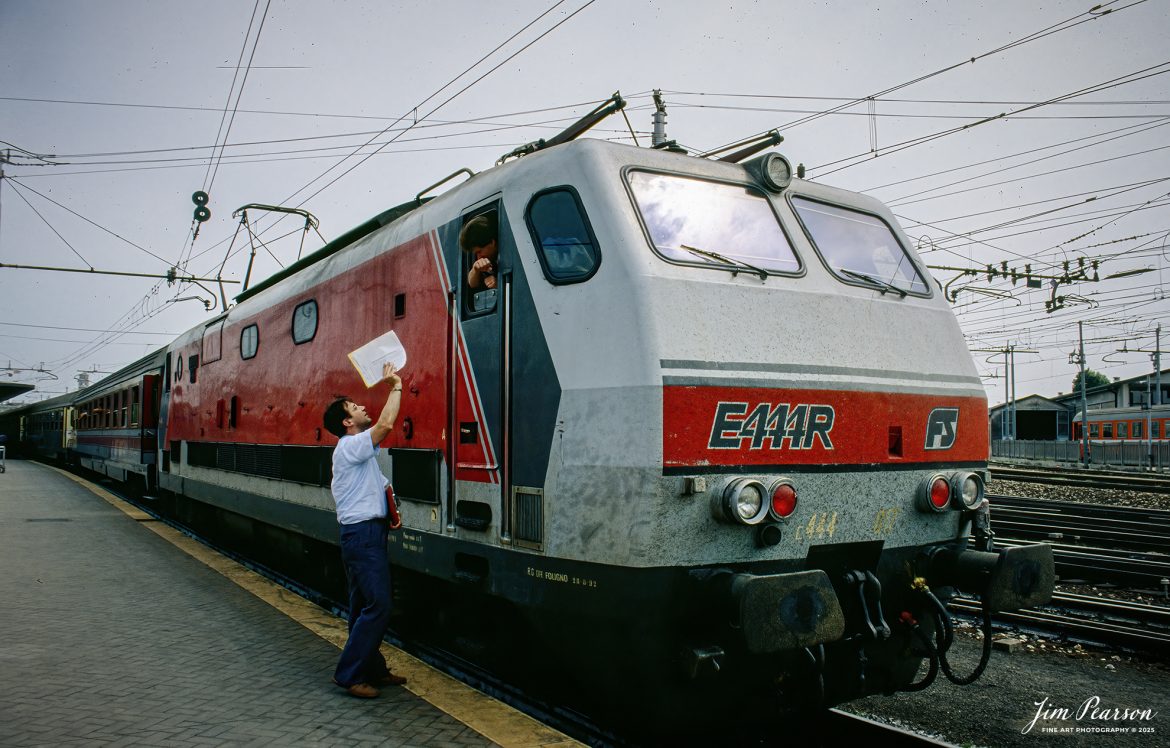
(385, 423)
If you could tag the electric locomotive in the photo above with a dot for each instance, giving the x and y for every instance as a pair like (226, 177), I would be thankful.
(709, 419)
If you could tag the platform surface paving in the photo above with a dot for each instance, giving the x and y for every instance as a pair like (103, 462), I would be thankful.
(110, 635)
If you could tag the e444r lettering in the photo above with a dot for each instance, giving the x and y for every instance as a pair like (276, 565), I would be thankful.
(739, 425)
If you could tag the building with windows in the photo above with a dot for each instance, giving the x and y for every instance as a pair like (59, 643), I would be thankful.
(1122, 409)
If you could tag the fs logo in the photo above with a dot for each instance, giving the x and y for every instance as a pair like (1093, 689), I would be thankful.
(942, 426)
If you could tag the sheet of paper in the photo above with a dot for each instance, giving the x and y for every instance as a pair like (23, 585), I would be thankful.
(368, 359)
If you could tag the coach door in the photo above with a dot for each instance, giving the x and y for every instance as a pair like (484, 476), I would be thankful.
(481, 392)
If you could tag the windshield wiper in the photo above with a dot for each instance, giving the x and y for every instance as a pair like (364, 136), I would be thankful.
(735, 264)
(882, 285)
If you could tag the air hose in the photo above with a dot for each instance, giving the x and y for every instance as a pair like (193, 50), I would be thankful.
(932, 673)
(944, 637)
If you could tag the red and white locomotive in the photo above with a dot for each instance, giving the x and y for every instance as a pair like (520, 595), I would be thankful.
(711, 420)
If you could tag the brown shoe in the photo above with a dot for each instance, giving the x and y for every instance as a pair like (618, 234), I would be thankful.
(360, 690)
(389, 679)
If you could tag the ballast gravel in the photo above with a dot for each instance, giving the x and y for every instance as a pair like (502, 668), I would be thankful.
(1082, 697)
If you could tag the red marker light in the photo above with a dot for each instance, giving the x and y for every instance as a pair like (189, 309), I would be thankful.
(783, 501)
(940, 493)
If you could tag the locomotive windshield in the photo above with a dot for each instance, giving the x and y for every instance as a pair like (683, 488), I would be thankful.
(859, 248)
(699, 222)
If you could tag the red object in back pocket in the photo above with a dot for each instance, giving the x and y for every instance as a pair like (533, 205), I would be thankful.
(392, 509)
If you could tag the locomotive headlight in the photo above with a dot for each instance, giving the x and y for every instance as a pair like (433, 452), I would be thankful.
(775, 172)
(967, 488)
(934, 494)
(743, 501)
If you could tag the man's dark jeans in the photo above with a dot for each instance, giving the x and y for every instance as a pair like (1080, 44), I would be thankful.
(367, 569)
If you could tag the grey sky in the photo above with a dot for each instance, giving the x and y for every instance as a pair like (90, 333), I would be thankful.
(353, 68)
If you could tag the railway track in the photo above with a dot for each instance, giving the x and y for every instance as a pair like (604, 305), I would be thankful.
(1120, 545)
(1098, 525)
(1084, 619)
(1113, 480)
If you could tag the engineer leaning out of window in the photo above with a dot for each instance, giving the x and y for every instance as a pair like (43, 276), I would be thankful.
(478, 238)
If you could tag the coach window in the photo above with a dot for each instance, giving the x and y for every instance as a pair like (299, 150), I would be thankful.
(134, 407)
(1122, 429)
(249, 342)
(859, 248)
(1137, 429)
(1154, 429)
(304, 324)
(560, 230)
(712, 224)
(1107, 431)
(1094, 432)
(192, 366)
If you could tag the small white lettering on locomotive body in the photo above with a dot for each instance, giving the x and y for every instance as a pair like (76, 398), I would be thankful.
(739, 425)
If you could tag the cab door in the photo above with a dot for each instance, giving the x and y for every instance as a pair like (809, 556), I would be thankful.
(481, 391)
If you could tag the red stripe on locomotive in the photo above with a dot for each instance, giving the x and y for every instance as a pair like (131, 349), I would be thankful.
(708, 425)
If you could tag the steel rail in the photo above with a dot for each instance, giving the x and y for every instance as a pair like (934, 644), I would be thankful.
(1083, 479)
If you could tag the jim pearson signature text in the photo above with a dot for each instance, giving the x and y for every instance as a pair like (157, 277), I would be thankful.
(1090, 709)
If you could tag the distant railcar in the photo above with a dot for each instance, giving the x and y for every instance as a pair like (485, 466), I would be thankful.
(1133, 424)
(42, 429)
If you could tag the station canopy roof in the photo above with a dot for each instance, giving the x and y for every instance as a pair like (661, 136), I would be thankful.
(9, 390)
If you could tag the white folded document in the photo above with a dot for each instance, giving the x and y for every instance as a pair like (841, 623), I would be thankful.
(369, 359)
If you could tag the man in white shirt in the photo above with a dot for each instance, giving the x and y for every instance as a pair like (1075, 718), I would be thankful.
(359, 491)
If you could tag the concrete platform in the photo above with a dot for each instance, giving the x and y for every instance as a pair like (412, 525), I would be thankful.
(117, 630)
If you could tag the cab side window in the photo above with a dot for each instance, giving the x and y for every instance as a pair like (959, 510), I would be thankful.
(563, 237)
(479, 245)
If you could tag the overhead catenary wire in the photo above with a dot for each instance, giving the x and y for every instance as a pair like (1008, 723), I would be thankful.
(432, 124)
(208, 182)
(448, 99)
(1147, 151)
(1064, 25)
(999, 172)
(1031, 203)
(87, 220)
(33, 208)
(1038, 222)
(876, 115)
(1149, 205)
(1028, 152)
(209, 177)
(81, 329)
(232, 158)
(922, 140)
